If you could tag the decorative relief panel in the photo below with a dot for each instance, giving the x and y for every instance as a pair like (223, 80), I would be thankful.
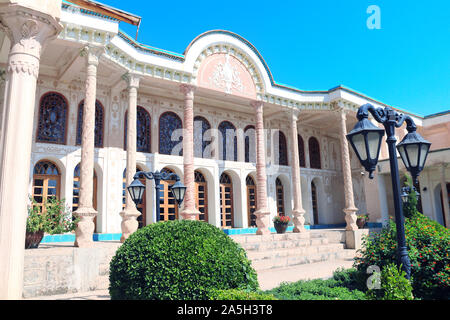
(223, 72)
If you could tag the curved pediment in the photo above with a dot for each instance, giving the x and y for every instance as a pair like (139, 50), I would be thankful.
(224, 61)
(225, 73)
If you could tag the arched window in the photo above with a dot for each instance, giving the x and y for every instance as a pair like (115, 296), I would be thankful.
(250, 143)
(53, 110)
(227, 141)
(201, 196)
(143, 130)
(314, 153)
(251, 201)
(169, 143)
(226, 201)
(46, 182)
(202, 138)
(282, 149)
(99, 123)
(301, 151)
(314, 203)
(280, 198)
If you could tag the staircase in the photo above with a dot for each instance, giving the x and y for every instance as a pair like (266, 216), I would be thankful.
(292, 249)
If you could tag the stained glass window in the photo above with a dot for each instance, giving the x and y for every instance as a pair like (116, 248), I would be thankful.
(143, 130)
(301, 151)
(170, 135)
(227, 141)
(202, 138)
(314, 153)
(282, 149)
(53, 111)
(250, 143)
(99, 121)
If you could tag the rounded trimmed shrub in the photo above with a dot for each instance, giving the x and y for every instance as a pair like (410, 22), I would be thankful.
(179, 260)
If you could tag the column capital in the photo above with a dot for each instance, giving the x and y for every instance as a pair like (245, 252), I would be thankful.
(92, 54)
(188, 90)
(257, 104)
(293, 114)
(132, 79)
(27, 28)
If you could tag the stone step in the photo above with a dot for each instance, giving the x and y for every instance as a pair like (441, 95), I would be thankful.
(251, 238)
(283, 244)
(293, 251)
(284, 262)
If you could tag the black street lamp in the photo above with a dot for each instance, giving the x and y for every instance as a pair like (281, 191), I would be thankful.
(366, 139)
(406, 191)
(137, 188)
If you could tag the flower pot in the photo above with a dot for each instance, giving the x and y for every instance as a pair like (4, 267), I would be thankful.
(361, 223)
(33, 239)
(280, 227)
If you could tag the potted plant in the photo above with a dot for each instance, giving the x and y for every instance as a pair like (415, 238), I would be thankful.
(56, 219)
(281, 223)
(362, 220)
(36, 226)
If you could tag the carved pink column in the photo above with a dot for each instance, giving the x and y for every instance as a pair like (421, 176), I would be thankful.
(86, 211)
(350, 209)
(262, 212)
(189, 212)
(130, 214)
(298, 212)
(28, 30)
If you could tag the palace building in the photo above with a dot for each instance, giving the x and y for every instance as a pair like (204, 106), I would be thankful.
(101, 106)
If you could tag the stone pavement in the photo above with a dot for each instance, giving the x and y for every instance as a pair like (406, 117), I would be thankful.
(268, 279)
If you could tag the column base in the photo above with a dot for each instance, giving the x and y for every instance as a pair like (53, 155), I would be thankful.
(299, 221)
(190, 214)
(85, 228)
(350, 218)
(262, 221)
(354, 239)
(129, 223)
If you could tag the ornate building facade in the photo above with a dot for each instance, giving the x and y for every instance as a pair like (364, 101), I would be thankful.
(246, 147)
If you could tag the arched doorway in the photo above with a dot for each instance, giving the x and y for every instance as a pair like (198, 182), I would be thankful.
(226, 201)
(168, 206)
(315, 207)
(76, 191)
(280, 198)
(251, 201)
(142, 219)
(46, 182)
(201, 196)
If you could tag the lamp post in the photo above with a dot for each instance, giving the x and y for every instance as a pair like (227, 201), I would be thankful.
(366, 138)
(136, 188)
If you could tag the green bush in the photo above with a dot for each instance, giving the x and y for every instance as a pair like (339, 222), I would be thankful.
(318, 289)
(428, 246)
(179, 260)
(394, 285)
(237, 294)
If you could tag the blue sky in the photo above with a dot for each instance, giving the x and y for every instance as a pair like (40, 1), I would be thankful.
(317, 45)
